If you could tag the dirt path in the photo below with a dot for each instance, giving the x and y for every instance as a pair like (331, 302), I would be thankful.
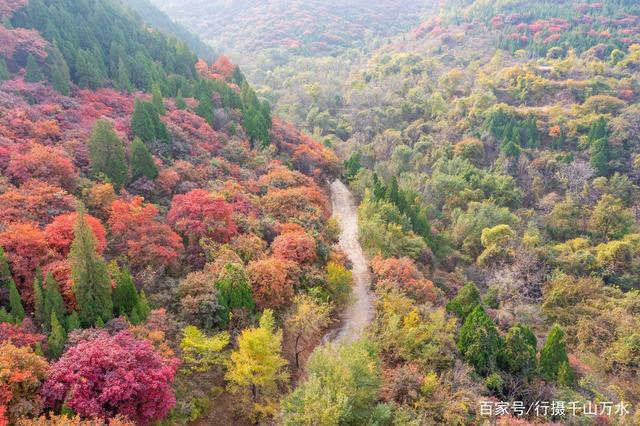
(360, 312)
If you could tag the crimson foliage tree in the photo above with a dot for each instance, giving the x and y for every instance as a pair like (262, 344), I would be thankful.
(111, 375)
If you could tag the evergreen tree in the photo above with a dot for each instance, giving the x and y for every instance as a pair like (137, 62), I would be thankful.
(180, 103)
(57, 338)
(33, 73)
(92, 285)
(5, 273)
(157, 100)
(234, 290)
(598, 130)
(38, 297)
(4, 71)
(73, 322)
(87, 71)
(519, 353)
(465, 302)
(141, 123)
(15, 303)
(479, 341)
(5, 316)
(53, 301)
(59, 72)
(106, 154)
(554, 362)
(142, 310)
(205, 108)
(601, 156)
(125, 295)
(122, 78)
(142, 163)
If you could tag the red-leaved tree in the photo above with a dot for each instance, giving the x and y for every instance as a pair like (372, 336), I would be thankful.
(59, 233)
(296, 246)
(271, 282)
(111, 375)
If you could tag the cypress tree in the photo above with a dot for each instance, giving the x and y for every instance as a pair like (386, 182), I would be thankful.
(142, 163)
(106, 154)
(125, 295)
(33, 73)
(92, 285)
(600, 156)
(5, 316)
(5, 273)
(53, 301)
(122, 79)
(234, 290)
(4, 71)
(157, 100)
(465, 301)
(57, 338)
(87, 71)
(479, 341)
(59, 74)
(205, 108)
(143, 309)
(554, 362)
(519, 353)
(141, 123)
(180, 103)
(15, 303)
(73, 322)
(38, 297)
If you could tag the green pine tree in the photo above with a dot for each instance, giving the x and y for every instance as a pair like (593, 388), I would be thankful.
(92, 285)
(142, 163)
(205, 108)
(5, 316)
(73, 322)
(125, 295)
(465, 301)
(33, 73)
(554, 362)
(4, 71)
(53, 301)
(38, 297)
(519, 352)
(57, 338)
(15, 303)
(87, 71)
(601, 156)
(106, 154)
(143, 310)
(142, 125)
(180, 103)
(157, 100)
(5, 272)
(234, 290)
(59, 72)
(479, 341)
(122, 79)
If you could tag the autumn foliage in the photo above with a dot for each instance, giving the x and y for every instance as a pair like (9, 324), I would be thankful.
(404, 274)
(59, 233)
(296, 246)
(271, 282)
(111, 375)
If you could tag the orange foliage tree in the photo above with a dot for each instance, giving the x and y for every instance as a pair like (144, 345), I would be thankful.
(271, 282)
(59, 233)
(146, 241)
(46, 163)
(35, 201)
(21, 374)
(26, 248)
(296, 246)
(305, 205)
(404, 274)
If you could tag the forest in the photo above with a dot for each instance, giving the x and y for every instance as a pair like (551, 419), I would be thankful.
(199, 200)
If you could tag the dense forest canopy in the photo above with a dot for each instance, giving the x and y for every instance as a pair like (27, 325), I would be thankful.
(162, 216)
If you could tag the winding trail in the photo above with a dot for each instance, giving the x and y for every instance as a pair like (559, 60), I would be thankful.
(360, 312)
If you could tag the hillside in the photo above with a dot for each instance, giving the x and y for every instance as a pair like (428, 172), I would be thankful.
(155, 220)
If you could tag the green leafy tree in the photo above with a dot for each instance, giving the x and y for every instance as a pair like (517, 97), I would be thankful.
(465, 301)
(57, 338)
(305, 321)
(15, 303)
(142, 163)
(554, 362)
(610, 219)
(479, 341)
(106, 154)
(92, 285)
(33, 73)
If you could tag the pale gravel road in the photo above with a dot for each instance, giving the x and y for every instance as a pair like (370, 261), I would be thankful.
(360, 312)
